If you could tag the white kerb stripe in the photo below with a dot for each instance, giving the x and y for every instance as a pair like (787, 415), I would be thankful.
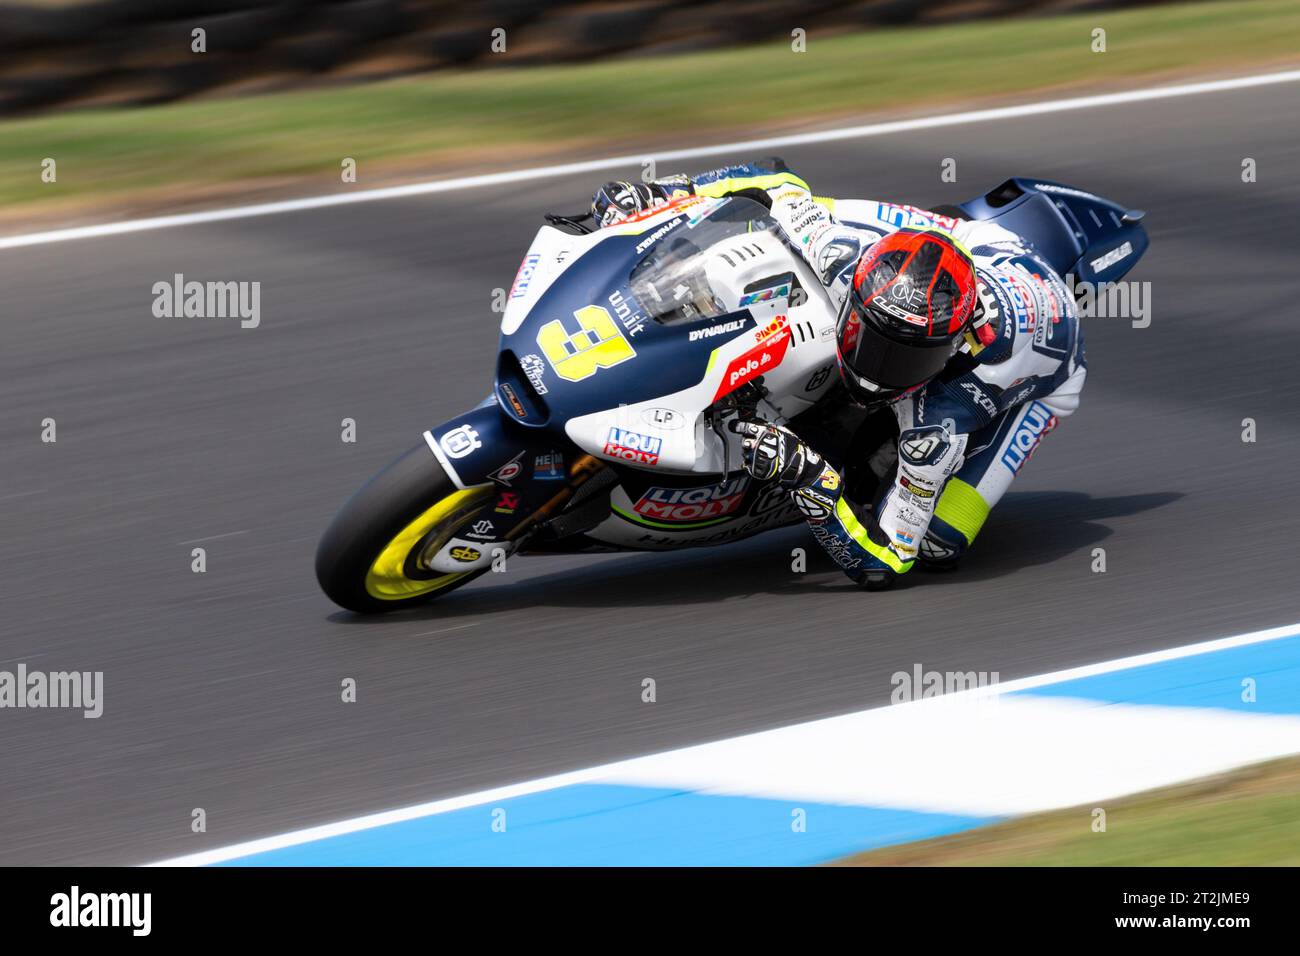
(369, 821)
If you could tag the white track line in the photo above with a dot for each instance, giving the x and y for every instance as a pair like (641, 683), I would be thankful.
(566, 169)
(311, 834)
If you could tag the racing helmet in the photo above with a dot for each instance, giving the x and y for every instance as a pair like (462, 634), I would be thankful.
(911, 297)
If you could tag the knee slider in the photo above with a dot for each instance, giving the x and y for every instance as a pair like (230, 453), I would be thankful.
(942, 546)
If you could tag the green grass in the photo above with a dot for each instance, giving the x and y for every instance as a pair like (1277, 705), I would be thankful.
(495, 118)
(1247, 818)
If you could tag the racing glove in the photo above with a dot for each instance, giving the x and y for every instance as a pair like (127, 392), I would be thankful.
(772, 453)
(616, 201)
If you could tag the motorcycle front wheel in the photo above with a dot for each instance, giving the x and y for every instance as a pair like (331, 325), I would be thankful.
(374, 556)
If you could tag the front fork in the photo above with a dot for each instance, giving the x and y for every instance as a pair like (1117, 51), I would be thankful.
(526, 476)
(583, 470)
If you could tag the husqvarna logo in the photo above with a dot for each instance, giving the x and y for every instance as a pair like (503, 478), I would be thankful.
(459, 442)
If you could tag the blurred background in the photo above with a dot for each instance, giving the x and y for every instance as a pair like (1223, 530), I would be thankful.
(58, 52)
(177, 104)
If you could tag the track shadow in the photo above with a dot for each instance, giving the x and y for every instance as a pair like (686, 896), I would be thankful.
(1027, 529)
(1039, 527)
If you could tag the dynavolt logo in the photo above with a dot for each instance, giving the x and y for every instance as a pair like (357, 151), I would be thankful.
(659, 233)
(713, 330)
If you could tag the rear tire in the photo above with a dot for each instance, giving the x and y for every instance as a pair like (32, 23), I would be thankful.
(371, 558)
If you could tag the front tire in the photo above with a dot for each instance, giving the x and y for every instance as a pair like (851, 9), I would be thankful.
(372, 558)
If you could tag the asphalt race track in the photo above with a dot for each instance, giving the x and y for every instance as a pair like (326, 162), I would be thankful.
(222, 690)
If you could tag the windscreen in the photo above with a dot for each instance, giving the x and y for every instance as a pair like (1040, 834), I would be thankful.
(672, 284)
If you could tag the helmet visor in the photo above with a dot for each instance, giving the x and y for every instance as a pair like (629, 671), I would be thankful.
(874, 364)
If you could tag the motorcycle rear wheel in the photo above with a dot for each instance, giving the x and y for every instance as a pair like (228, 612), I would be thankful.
(373, 557)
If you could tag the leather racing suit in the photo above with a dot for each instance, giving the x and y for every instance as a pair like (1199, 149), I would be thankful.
(965, 434)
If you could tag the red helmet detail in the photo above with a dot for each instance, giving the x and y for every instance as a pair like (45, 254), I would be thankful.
(912, 295)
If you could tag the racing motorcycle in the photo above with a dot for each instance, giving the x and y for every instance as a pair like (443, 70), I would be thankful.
(625, 353)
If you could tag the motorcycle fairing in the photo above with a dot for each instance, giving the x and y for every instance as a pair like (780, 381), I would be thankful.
(1077, 232)
(636, 432)
(521, 470)
(673, 512)
(596, 334)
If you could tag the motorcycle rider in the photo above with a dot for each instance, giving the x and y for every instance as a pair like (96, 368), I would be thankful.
(958, 325)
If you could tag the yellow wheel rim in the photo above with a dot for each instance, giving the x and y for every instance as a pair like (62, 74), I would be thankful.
(387, 580)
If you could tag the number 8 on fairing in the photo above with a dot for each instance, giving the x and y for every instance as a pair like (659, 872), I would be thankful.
(599, 343)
